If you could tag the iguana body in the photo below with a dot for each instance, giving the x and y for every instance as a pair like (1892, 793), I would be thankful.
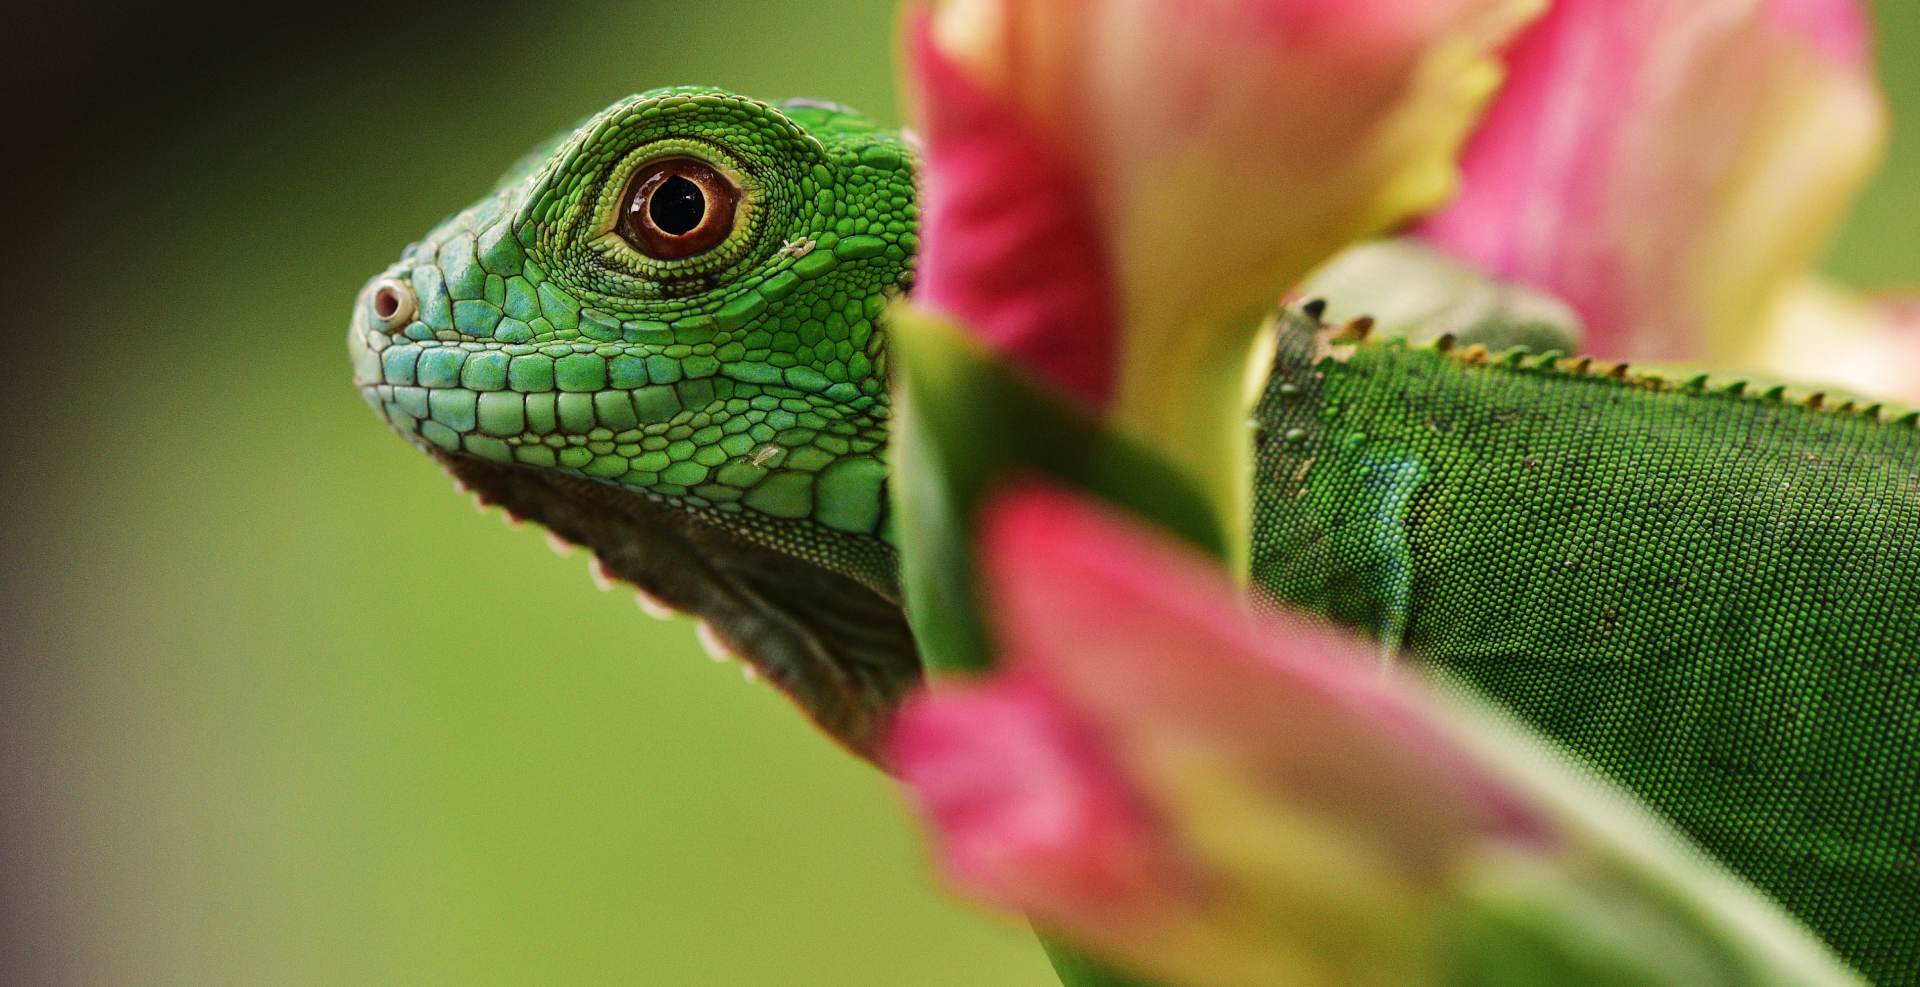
(1710, 597)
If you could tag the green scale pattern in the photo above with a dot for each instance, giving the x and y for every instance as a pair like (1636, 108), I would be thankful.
(745, 382)
(1711, 597)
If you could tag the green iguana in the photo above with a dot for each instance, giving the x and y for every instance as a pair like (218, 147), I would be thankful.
(660, 338)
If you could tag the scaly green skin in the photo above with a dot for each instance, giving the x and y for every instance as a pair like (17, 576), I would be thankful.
(729, 406)
(1710, 597)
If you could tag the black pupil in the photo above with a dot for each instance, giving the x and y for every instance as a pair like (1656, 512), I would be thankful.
(677, 206)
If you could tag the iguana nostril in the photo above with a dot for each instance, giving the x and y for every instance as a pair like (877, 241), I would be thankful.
(391, 304)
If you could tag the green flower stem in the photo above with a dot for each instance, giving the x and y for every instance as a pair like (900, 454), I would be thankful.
(968, 425)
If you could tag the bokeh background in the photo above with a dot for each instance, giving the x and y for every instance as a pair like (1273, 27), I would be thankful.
(277, 706)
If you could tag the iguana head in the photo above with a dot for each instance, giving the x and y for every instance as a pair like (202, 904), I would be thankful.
(659, 337)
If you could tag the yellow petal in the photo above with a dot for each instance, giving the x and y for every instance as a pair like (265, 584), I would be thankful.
(1816, 132)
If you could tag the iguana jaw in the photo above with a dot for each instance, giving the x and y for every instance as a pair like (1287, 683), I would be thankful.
(836, 642)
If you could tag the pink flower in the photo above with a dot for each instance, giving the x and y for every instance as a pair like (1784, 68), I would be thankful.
(1010, 239)
(1212, 799)
(1671, 168)
(1116, 191)
(1027, 802)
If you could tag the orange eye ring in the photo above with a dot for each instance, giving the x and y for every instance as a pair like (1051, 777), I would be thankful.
(676, 208)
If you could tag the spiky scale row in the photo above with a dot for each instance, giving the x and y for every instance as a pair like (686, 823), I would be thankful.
(1358, 332)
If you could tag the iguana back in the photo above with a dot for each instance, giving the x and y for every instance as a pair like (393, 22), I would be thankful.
(1709, 595)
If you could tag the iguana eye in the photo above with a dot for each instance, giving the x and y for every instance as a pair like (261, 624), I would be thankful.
(677, 208)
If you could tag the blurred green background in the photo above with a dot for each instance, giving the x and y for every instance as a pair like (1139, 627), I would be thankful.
(279, 707)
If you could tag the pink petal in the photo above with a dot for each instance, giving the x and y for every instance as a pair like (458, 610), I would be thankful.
(1359, 32)
(1026, 809)
(1307, 815)
(1668, 167)
(1536, 172)
(1903, 310)
(1010, 243)
(1840, 29)
(1144, 639)
(1143, 179)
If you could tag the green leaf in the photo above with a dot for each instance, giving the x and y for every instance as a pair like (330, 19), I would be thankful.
(968, 425)
(1077, 969)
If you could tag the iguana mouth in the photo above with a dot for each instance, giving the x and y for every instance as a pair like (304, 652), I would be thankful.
(836, 642)
(547, 404)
